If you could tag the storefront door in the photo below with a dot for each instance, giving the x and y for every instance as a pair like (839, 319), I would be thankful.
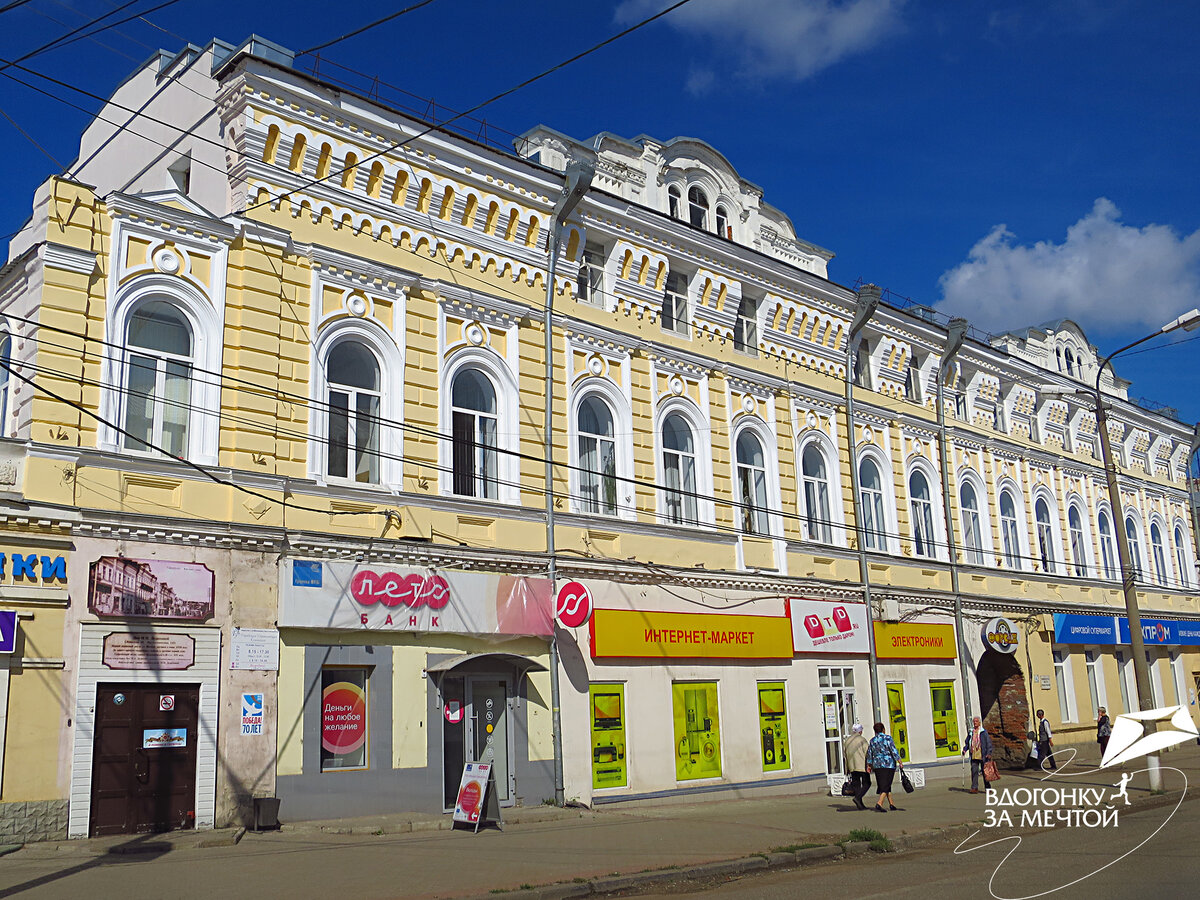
(488, 729)
(839, 709)
(144, 758)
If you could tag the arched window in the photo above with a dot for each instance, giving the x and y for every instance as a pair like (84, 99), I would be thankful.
(1070, 362)
(1160, 556)
(870, 488)
(1135, 547)
(972, 529)
(723, 229)
(1008, 530)
(5, 358)
(1181, 557)
(352, 373)
(679, 470)
(1108, 549)
(1045, 536)
(697, 208)
(675, 202)
(816, 495)
(922, 514)
(1078, 541)
(752, 483)
(158, 380)
(474, 421)
(597, 457)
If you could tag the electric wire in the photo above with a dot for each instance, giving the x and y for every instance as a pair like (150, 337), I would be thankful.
(25, 134)
(367, 27)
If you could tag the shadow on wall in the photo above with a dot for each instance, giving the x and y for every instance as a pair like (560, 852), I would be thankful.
(1005, 706)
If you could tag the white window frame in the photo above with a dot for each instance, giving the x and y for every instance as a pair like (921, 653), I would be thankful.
(1064, 679)
(1110, 561)
(1126, 680)
(1021, 533)
(618, 406)
(768, 442)
(936, 538)
(1136, 543)
(1156, 685)
(590, 285)
(1093, 660)
(1158, 551)
(1052, 534)
(1183, 559)
(887, 531)
(984, 550)
(834, 526)
(703, 460)
(1084, 561)
(681, 325)
(507, 417)
(1179, 677)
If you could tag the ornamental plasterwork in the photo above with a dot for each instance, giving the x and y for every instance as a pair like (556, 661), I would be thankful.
(815, 418)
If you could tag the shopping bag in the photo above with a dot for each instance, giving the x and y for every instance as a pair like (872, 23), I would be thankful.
(990, 772)
(1034, 751)
(906, 782)
(847, 788)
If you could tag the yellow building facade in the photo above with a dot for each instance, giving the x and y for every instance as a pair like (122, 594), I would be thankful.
(274, 431)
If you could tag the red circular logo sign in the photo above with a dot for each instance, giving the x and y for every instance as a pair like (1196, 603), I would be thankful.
(343, 718)
(574, 606)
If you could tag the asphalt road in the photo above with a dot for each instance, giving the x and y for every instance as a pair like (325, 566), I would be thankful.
(1165, 867)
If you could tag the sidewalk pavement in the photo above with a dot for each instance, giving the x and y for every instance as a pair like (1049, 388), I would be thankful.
(577, 851)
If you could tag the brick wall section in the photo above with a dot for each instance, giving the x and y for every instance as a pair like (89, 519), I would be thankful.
(35, 820)
(1005, 705)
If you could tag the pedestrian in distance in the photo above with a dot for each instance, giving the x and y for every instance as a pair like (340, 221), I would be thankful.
(1103, 730)
(855, 751)
(1045, 742)
(883, 759)
(979, 746)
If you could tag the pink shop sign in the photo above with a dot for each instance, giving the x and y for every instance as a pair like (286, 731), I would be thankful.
(149, 651)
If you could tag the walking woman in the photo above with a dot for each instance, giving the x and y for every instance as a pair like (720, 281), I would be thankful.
(883, 759)
(1103, 730)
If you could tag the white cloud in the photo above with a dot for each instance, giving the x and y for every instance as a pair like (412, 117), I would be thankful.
(1106, 275)
(766, 40)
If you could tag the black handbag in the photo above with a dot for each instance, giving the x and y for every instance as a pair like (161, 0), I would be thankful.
(906, 782)
(847, 788)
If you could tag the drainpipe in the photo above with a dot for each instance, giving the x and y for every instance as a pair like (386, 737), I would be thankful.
(578, 179)
(956, 332)
(866, 304)
(1193, 492)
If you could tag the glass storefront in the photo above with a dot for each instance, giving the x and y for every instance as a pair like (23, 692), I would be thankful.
(697, 730)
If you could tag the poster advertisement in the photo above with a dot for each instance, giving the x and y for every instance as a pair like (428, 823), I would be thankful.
(945, 718)
(773, 728)
(343, 719)
(697, 730)
(150, 589)
(897, 720)
(821, 626)
(471, 793)
(608, 735)
(164, 738)
(252, 714)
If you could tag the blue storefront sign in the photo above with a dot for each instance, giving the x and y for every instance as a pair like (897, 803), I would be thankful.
(8, 630)
(1070, 628)
(306, 573)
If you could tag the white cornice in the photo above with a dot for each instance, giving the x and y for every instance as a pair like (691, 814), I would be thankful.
(71, 259)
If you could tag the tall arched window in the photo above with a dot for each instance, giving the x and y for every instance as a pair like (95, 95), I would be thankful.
(474, 421)
(5, 357)
(816, 495)
(597, 457)
(674, 202)
(679, 470)
(158, 380)
(972, 528)
(1157, 551)
(752, 483)
(1008, 530)
(922, 514)
(723, 229)
(870, 487)
(352, 372)
(1108, 548)
(1078, 541)
(1135, 547)
(1045, 536)
(697, 208)
(1181, 557)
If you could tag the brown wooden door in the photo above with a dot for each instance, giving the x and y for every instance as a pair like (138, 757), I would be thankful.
(144, 758)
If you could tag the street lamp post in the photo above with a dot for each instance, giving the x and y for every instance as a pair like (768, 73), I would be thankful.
(579, 176)
(866, 303)
(1189, 322)
(956, 332)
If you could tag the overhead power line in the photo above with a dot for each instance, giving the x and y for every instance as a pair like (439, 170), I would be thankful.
(367, 27)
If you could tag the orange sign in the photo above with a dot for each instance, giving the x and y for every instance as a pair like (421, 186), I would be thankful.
(914, 640)
(663, 635)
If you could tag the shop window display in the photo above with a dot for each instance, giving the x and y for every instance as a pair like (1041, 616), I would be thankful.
(697, 730)
(608, 735)
(343, 718)
(945, 718)
(773, 726)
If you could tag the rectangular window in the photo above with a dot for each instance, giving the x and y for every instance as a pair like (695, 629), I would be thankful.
(675, 305)
(897, 718)
(1123, 666)
(590, 286)
(697, 730)
(1095, 675)
(945, 719)
(1066, 687)
(343, 718)
(608, 735)
(839, 708)
(1156, 686)
(1177, 677)
(745, 328)
(773, 726)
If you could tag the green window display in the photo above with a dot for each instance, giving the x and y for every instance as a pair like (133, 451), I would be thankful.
(773, 728)
(897, 719)
(945, 718)
(697, 730)
(608, 735)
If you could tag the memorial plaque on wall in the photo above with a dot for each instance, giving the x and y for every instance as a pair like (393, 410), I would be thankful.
(149, 651)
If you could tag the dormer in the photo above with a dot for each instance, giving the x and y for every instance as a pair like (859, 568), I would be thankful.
(1061, 347)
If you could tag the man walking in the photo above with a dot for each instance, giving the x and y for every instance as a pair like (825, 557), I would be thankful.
(856, 764)
(1045, 742)
(980, 747)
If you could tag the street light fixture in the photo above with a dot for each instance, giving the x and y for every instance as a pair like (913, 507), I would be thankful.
(956, 333)
(866, 303)
(1189, 321)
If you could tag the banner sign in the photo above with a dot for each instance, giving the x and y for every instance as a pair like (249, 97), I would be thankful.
(914, 640)
(1070, 628)
(372, 597)
(662, 635)
(150, 589)
(8, 630)
(819, 626)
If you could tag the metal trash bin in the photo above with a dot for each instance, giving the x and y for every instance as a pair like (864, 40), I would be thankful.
(266, 813)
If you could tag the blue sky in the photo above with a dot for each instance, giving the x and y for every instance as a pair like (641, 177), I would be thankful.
(1010, 162)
